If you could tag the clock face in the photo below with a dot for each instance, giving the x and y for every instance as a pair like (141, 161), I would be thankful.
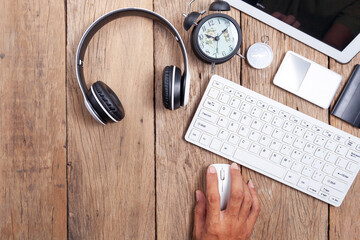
(218, 38)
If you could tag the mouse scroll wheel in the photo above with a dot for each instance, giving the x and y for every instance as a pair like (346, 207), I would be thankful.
(222, 174)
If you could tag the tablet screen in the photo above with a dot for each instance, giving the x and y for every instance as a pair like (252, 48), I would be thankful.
(333, 22)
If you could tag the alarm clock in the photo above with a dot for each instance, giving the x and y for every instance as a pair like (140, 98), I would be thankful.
(217, 37)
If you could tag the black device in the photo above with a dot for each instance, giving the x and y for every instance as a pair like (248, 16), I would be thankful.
(216, 38)
(347, 107)
(102, 103)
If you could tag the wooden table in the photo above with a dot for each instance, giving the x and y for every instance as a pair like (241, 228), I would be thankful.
(62, 175)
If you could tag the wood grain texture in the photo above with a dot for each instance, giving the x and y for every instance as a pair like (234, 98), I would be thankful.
(285, 212)
(180, 166)
(344, 220)
(111, 168)
(32, 120)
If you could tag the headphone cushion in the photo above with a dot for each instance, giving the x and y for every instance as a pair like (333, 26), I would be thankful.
(172, 87)
(109, 100)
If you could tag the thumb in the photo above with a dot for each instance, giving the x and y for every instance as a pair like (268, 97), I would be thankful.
(199, 214)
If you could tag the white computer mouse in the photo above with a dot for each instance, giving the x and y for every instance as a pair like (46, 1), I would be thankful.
(224, 180)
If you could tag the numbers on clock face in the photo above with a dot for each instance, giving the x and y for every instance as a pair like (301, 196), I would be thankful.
(217, 37)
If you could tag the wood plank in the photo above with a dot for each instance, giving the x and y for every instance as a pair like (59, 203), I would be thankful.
(344, 220)
(111, 168)
(181, 166)
(32, 120)
(285, 212)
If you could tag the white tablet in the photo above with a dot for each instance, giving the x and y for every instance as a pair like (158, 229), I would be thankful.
(329, 26)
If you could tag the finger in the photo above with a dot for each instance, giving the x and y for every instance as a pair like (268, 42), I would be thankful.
(213, 196)
(236, 192)
(278, 15)
(199, 214)
(255, 208)
(246, 204)
(296, 24)
(290, 19)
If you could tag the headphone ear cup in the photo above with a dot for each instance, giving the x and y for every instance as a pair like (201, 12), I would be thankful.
(105, 102)
(172, 87)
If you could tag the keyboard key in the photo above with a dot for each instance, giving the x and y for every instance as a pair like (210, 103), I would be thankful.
(307, 159)
(245, 107)
(246, 120)
(275, 157)
(334, 199)
(256, 112)
(318, 164)
(265, 141)
(234, 139)
(216, 144)
(224, 98)
(239, 94)
(289, 139)
(297, 154)
(275, 145)
(305, 124)
(320, 153)
(332, 182)
(352, 155)
(265, 153)
(207, 127)
(223, 122)
(299, 131)
(308, 171)
(328, 168)
(235, 115)
(310, 148)
(299, 143)
(309, 136)
(266, 117)
(235, 102)
(227, 149)
(214, 93)
(320, 140)
(318, 176)
(331, 145)
(352, 167)
(358, 147)
(273, 109)
(316, 129)
(339, 138)
(244, 131)
(342, 175)
(327, 133)
(233, 126)
(292, 177)
(223, 134)
(288, 126)
(212, 105)
(284, 114)
(297, 167)
(350, 143)
(331, 157)
(341, 150)
(256, 124)
(277, 122)
(303, 182)
(254, 148)
(286, 150)
(225, 110)
(341, 162)
(205, 139)
(324, 195)
(267, 129)
(244, 143)
(250, 99)
(294, 119)
(286, 162)
(195, 135)
(218, 84)
(207, 115)
(254, 136)
(229, 90)
(261, 104)
(278, 134)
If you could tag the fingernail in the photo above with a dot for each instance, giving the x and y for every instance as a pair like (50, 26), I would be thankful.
(212, 169)
(197, 195)
(234, 166)
(251, 184)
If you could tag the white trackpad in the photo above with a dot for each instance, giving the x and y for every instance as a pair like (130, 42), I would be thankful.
(307, 79)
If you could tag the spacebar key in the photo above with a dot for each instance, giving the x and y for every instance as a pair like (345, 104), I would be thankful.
(258, 163)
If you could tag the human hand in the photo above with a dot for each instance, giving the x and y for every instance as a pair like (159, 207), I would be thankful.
(290, 19)
(237, 220)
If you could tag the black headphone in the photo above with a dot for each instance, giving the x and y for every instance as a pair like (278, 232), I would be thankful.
(101, 101)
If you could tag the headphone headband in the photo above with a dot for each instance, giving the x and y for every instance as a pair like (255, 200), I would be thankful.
(123, 12)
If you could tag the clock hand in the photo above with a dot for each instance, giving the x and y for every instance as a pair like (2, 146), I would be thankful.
(209, 36)
(223, 32)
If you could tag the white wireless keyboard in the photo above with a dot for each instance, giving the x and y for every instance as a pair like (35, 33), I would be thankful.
(275, 140)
